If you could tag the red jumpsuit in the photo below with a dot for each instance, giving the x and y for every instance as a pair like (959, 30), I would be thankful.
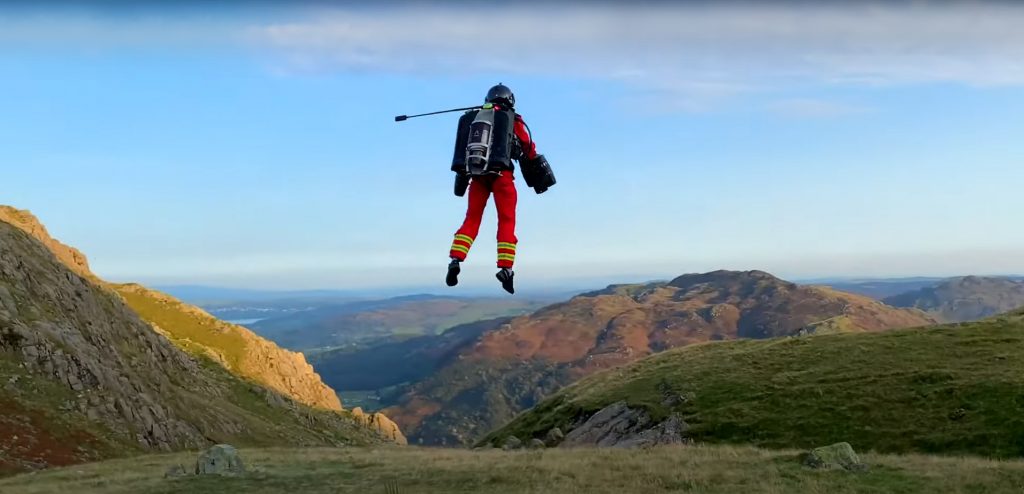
(503, 187)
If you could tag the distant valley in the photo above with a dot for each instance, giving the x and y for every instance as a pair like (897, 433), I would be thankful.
(360, 323)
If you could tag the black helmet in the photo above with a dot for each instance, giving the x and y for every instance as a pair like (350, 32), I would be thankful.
(501, 94)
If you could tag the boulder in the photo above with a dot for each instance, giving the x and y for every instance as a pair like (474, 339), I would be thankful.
(512, 443)
(536, 444)
(382, 424)
(554, 437)
(620, 426)
(221, 459)
(835, 456)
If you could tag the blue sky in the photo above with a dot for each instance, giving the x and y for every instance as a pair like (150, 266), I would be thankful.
(251, 146)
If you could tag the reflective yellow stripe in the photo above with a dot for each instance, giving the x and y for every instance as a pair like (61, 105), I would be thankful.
(506, 257)
(506, 245)
(464, 238)
(460, 248)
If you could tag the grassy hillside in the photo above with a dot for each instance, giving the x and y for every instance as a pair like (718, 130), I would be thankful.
(949, 389)
(186, 329)
(412, 470)
(238, 349)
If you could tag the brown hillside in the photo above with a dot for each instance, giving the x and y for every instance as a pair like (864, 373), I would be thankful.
(508, 370)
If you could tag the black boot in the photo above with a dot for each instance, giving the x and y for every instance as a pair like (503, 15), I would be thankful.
(453, 273)
(505, 277)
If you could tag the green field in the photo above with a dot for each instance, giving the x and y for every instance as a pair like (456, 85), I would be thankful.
(395, 470)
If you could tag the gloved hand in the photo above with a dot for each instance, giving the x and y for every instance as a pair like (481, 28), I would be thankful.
(461, 184)
(537, 173)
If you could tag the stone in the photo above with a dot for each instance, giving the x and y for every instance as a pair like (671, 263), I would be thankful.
(620, 426)
(512, 443)
(536, 444)
(554, 437)
(221, 459)
(176, 471)
(835, 456)
(7, 302)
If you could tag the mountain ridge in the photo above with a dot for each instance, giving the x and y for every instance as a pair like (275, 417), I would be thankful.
(299, 381)
(964, 298)
(504, 371)
(85, 377)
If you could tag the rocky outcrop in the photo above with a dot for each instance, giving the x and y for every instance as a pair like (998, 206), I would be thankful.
(620, 426)
(113, 365)
(380, 423)
(27, 222)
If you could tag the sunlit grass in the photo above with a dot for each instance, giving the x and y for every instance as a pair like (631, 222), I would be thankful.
(710, 469)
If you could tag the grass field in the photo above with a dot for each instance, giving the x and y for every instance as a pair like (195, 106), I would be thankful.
(703, 469)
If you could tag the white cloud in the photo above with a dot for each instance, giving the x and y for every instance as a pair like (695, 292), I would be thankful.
(814, 108)
(685, 55)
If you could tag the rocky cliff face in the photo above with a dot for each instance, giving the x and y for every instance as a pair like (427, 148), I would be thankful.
(257, 359)
(239, 349)
(56, 323)
(85, 377)
(25, 221)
